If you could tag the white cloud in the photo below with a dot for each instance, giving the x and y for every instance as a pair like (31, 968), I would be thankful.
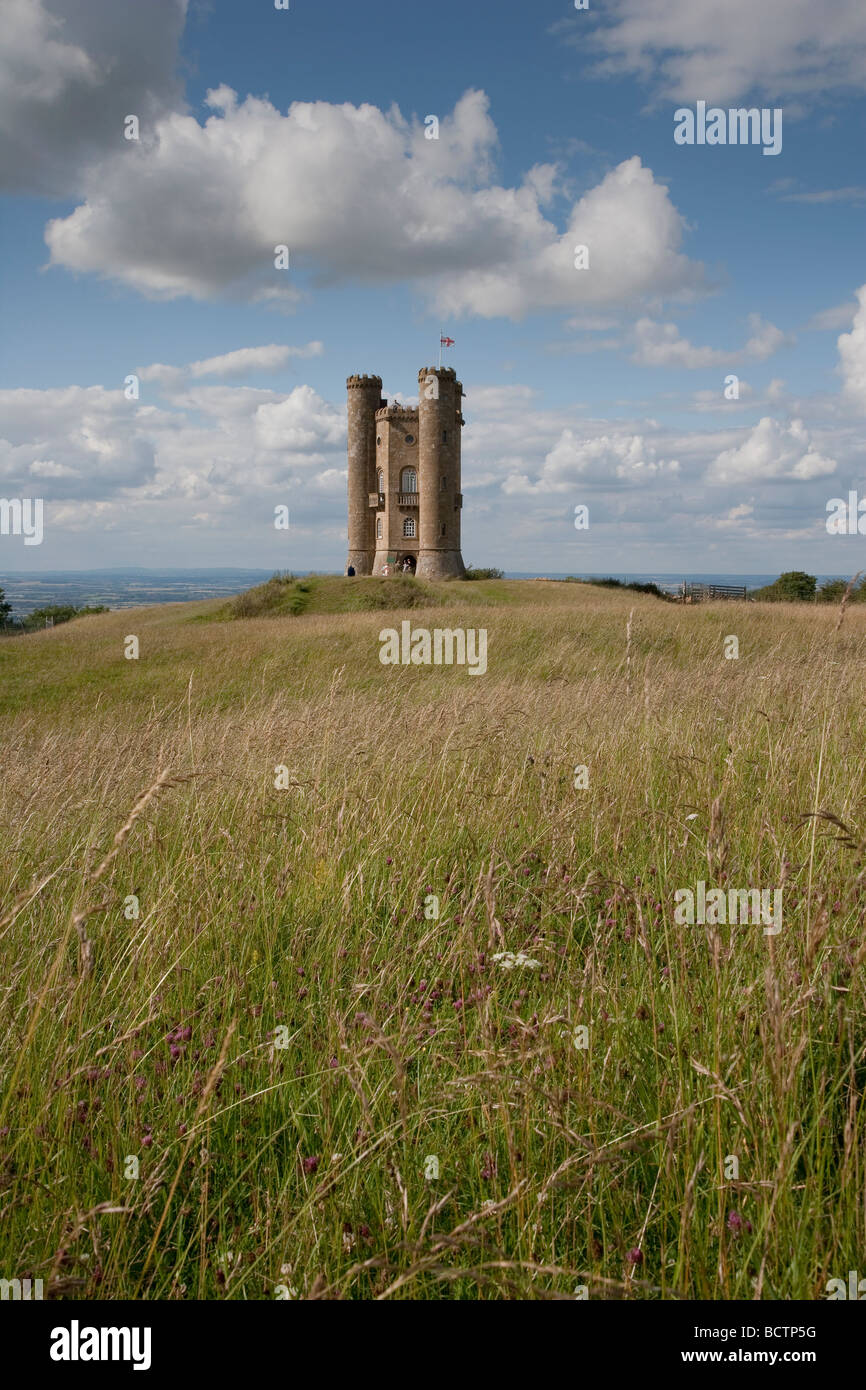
(47, 468)
(852, 354)
(253, 359)
(765, 339)
(302, 420)
(89, 445)
(722, 50)
(853, 193)
(498, 399)
(84, 439)
(197, 472)
(231, 364)
(771, 451)
(660, 345)
(70, 72)
(585, 347)
(627, 458)
(591, 323)
(834, 318)
(251, 179)
(710, 402)
(632, 230)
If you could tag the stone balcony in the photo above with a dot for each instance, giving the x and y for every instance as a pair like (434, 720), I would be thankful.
(377, 500)
(407, 499)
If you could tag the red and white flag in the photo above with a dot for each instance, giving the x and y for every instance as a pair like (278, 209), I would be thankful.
(447, 342)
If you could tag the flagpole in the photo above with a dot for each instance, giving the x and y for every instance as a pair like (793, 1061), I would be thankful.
(441, 335)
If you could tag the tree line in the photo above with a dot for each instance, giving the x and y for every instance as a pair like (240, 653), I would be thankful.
(51, 616)
(795, 586)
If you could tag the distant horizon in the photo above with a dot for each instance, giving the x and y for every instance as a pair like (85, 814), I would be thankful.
(507, 574)
(136, 586)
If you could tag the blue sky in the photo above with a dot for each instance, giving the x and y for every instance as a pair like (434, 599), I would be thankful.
(601, 386)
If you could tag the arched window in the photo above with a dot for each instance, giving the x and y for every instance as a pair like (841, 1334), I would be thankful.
(380, 481)
(378, 528)
(409, 527)
(408, 480)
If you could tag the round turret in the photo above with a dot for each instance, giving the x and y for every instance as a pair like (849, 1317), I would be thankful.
(364, 399)
(440, 501)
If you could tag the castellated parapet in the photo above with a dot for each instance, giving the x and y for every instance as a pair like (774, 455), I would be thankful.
(397, 412)
(404, 477)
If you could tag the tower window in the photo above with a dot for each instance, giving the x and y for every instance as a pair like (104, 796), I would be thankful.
(380, 481)
(409, 527)
(443, 529)
(444, 436)
(378, 528)
(408, 480)
(443, 483)
(410, 439)
(378, 439)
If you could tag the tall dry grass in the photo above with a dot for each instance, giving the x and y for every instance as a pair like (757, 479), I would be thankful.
(265, 1170)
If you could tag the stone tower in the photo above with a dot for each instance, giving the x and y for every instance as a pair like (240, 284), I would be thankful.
(404, 477)
(365, 398)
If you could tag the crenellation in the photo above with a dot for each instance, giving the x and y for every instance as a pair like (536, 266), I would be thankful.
(364, 381)
(397, 411)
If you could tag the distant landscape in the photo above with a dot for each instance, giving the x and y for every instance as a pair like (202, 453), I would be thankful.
(136, 587)
(122, 588)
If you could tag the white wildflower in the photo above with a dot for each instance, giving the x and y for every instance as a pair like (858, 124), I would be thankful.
(509, 961)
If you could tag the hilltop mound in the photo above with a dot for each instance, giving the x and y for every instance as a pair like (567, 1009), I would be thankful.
(285, 595)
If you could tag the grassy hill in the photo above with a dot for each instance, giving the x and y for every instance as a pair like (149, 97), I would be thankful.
(288, 596)
(283, 1002)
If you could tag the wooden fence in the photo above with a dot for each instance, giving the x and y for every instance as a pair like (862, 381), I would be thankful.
(700, 593)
